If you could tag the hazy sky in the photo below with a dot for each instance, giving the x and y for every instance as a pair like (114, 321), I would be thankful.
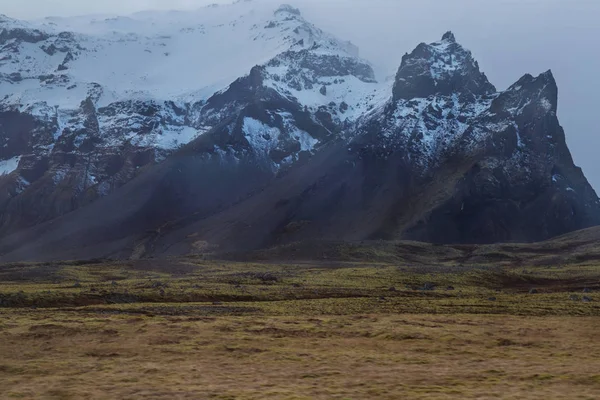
(508, 37)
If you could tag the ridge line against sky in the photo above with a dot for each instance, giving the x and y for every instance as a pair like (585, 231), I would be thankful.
(508, 37)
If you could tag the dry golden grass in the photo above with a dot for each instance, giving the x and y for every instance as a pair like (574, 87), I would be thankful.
(211, 330)
(58, 355)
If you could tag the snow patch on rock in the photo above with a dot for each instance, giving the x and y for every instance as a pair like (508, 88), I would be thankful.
(9, 166)
(261, 137)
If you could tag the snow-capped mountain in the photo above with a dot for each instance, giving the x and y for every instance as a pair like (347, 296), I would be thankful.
(446, 158)
(303, 144)
(438, 92)
(497, 161)
(86, 103)
(180, 56)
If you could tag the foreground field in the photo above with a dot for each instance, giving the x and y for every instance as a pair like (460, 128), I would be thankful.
(66, 356)
(223, 330)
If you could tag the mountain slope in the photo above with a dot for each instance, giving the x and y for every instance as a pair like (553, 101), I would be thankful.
(460, 163)
(73, 131)
(293, 154)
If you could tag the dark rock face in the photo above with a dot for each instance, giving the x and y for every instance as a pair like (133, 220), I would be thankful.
(24, 35)
(308, 67)
(522, 185)
(263, 101)
(498, 162)
(286, 8)
(75, 158)
(443, 68)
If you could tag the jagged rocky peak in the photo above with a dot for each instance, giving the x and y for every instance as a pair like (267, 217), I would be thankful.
(440, 68)
(543, 81)
(535, 93)
(288, 9)
(449, 36)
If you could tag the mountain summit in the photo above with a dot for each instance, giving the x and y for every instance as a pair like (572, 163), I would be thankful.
(444, 68)
(306, 145)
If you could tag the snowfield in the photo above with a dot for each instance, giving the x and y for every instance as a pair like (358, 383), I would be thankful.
(51, 66)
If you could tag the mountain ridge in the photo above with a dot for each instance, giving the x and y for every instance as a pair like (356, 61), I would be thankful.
(76, 152)
(309, 145)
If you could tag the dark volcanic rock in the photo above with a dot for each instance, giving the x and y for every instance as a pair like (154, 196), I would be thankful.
(520, 173)
(286, 8)
(443, 68)
(23, 35)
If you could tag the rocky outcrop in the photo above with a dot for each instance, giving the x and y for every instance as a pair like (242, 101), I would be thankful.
(441, 68)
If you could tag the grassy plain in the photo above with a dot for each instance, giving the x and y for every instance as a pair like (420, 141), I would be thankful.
(198, 329)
